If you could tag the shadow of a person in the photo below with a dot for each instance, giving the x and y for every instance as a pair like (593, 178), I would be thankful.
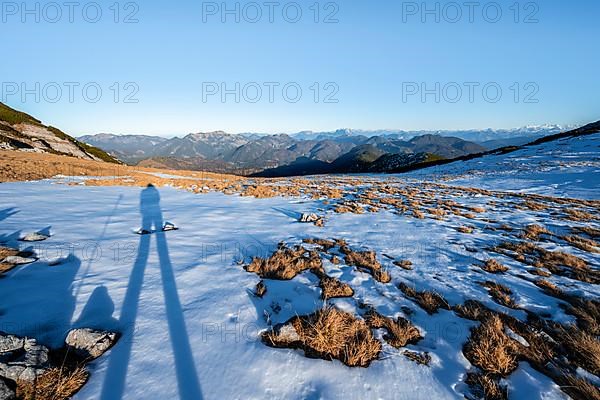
(185, 368)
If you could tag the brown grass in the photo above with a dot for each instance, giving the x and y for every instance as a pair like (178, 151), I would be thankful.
(486, 387)
(419, 358)
(582, 243)
(328, 334)
(325, 244)
(577, 215)
(333, 288)
(429, 301)
(366, 261)
(473, 310)
(588, 230)
(490, 349)
(582, 348)
(56, 384)
(465, 229)
(404, 264)
(493, 266)
(578, 388)
(548, 287)
(400, 331)
(285, 263)
(587, 313)
(533, 232)
(501, 294)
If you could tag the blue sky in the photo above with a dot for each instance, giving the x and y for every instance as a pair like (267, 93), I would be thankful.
(373, 63)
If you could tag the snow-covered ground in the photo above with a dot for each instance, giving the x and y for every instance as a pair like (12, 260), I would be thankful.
(185, 306)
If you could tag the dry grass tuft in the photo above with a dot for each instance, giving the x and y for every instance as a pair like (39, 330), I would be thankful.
(465, 229)
(366, 261)
(548, 287)
(285, 263)
(582, 243)
(490, 349)
(493, 266)
(400, 331)
(324, 243)
(501, 294)
(582, 348)
(533, 232)
(419, 358)
(328, 334)
(577, 215)
(587, 313)
(578, 388)
(486, 387)
(588, 230)
(404, 264)
(332, 287)
(473, 310)
(55, 384)
(429, 301)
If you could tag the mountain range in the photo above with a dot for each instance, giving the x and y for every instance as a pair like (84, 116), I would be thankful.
(306, 152)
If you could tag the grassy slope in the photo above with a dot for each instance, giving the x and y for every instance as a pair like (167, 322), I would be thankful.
(14, 117)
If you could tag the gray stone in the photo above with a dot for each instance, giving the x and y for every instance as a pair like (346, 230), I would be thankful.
(16, 260)
(10, 343)
(34, 237)
(6, 393)
(90, 343)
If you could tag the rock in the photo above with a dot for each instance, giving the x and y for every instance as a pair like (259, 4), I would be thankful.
(35, 354)
(17, 260)
(90, 343)
(288, 333)
(34, 237)
(6, 392)
(169, 226)
(309, 218)
(10, 343)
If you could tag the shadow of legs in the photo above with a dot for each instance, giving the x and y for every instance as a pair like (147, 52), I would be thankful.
(187, 376)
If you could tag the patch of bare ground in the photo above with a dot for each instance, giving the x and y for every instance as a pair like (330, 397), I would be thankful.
(366, 261)
(490, 349)
(285, 263)
(404, 264)
(349, 207)
(493, 266)
(582, 243)
(7, 252)
(501, 294)
(328, 334)
(400, 331)
(486, 387)
(55, 384)
(420, 358)
(557, 262)
(429, 301)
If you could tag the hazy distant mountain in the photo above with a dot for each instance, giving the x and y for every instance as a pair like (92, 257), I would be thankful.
(343, 150)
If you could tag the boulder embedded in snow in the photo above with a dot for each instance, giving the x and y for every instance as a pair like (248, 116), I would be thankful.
(312, 218)
(90, 343)
(169, 226)
(18, 260)
(34, 237)
(6, 393)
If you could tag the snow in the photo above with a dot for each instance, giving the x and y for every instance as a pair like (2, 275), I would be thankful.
(185, 306)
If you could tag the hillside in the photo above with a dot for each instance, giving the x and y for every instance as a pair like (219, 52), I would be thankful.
(20, 131)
